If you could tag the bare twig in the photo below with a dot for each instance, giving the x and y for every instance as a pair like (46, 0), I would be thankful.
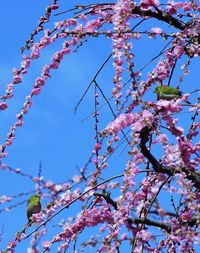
(94, 78)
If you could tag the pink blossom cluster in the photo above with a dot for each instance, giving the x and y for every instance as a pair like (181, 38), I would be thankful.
(187, 149)
(4, 199)
(148, 4)
(34, 241)
(87, 218)
(181, 238)
(54, 64)
(135, 120)
(17, 78)
(25, 64)
(173, 7)
(121, 46)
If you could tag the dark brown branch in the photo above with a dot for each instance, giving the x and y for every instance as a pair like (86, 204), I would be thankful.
(162, 16)
(172, 71)
(151, 223)
(166, 213)
(144, 135)
(107, 198)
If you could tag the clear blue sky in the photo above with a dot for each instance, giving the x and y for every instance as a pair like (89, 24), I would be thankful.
(52, 133)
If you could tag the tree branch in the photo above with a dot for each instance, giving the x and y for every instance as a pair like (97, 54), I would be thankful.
(144, 135)
(151, 223)
(163, 16)
(136, 221)
(106, 196)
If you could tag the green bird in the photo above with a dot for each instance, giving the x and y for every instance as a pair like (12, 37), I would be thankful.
(167, 92)
(33, 206)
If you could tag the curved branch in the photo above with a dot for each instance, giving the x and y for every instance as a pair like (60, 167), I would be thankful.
(161, 15)
(144, 135)
(151, 223)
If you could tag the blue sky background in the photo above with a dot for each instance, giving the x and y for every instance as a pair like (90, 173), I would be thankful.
(52, 133)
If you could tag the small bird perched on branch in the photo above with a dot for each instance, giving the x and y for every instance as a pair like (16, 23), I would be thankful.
(168, 93)
(33, 206)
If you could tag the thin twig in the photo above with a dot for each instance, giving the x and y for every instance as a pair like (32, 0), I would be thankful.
(94, 78)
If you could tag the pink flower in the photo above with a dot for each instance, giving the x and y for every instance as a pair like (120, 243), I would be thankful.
(104, 165)
(67, 233)
(186, 6)
(83, 17)
(147, 4)
(172, 7)
(37, 179)
(55, 64)
(178, 51)
(26, 62)
(186, 216)
(9, 87)
(37, 217)
(137, 126)
(102, 228)
(57, 238)
(46, 245)
(43, 19)
(72, 21)
(3, 154)
(66, 50)
(3, 106)
(76, 179)
(35, 91)
(161, 177)
(119, 61)
(18, 170)
(97, 146)
(39, 82)
(19, 123)
(35, 51)
(73, 41)
(15, 71)
(139, 158)
(170, 106)
(147, 117)
(162, 70)
(122, 121)
(162, 138)
(54, 6)
(156, 30)
(12, 244)
(145, 235)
